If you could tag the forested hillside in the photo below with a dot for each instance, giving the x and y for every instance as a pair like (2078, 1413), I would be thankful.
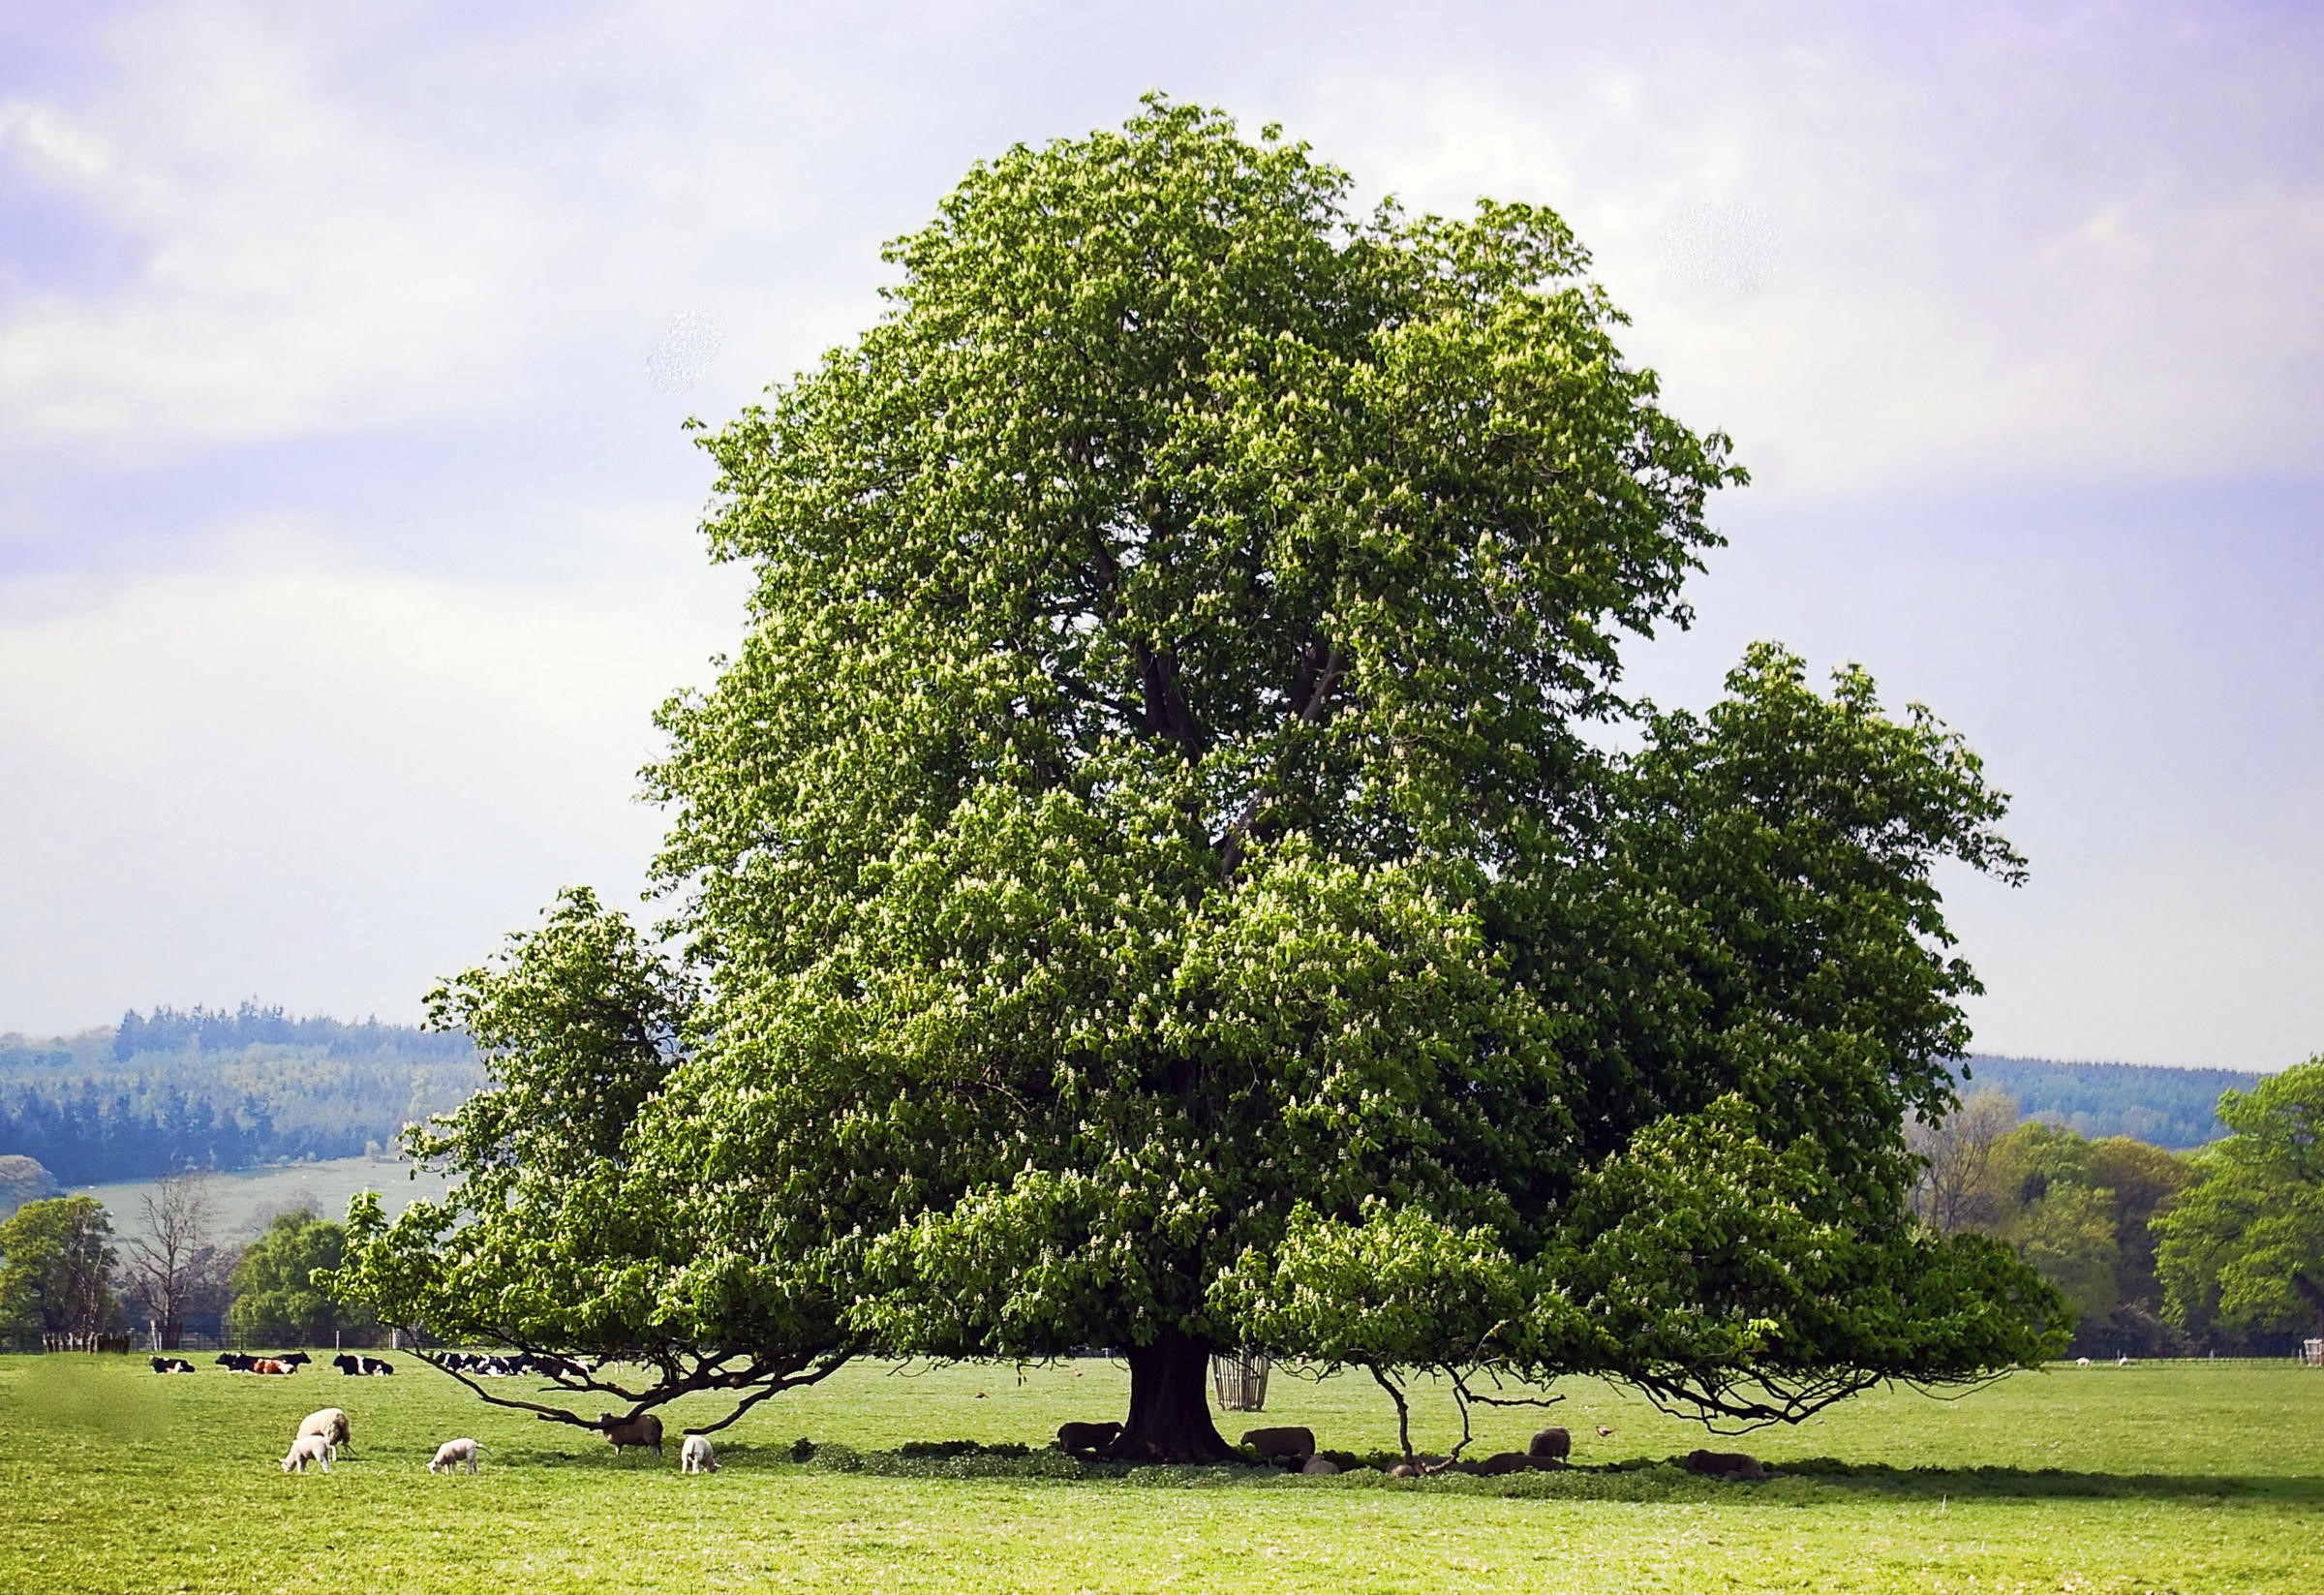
(219, 1089)
(234, 1088)
(2166, 1107)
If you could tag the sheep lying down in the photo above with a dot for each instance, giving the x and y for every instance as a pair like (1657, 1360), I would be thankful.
(308, 1448)
(451, 1455)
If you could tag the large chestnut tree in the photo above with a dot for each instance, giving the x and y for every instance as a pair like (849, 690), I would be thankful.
(1170, 866)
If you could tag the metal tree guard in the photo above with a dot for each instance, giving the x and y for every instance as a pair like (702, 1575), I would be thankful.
(1240, 1378)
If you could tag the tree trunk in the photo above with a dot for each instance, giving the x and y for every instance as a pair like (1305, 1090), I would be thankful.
(1169, 1406)
(2301, 1282)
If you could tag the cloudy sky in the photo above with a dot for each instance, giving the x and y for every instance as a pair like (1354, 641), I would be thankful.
(346, 523)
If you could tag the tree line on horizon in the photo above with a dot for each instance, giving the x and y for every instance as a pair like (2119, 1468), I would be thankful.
(222, 1089)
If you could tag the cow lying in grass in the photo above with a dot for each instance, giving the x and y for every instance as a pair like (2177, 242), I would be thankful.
(348, 1363)
(171, 1364)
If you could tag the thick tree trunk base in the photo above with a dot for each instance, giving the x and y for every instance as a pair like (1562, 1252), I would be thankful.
(1170, 1406)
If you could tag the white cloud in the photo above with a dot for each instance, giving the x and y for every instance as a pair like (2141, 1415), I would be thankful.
(321, 783)
(1945, 311)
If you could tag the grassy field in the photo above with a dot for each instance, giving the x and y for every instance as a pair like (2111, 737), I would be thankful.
(247, 1198)
(2153, 1477)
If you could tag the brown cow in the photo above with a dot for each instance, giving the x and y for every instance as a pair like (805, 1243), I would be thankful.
(1724, 1464)
(643, 1431)
(1551, 1445)
(1281, 1445)
(1084, 1439)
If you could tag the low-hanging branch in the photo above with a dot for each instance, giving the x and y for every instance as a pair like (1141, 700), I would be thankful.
(760, 1376)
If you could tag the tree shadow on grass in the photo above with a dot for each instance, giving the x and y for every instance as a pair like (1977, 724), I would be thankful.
(1640, 1480)
(2045, 1484)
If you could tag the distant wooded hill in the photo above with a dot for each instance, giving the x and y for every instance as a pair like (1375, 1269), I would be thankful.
(2167, 1107)
(235, 1089)
(219, 1089)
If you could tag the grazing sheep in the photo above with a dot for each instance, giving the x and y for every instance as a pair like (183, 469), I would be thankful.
(696, 1456)
(1083, 1439)
(308, 1448)
(331, 1423)
(2081, 1362)
(643, 1431)
(1724, 1464)
(1281, 1445)
(1551, 1445)
(451, 1455)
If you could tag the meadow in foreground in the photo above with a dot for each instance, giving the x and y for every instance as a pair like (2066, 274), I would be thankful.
(2152, 1478)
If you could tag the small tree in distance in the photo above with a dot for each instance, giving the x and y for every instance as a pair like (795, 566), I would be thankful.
(280, 1293)
(56, 1264)
(2244, 1246)
(173, 1270)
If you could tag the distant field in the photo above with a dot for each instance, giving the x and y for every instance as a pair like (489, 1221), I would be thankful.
(248, 1197)
(2154, 1478)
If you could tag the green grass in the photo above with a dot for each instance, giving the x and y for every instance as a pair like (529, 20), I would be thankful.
(2154, 1478)
(247, 1198)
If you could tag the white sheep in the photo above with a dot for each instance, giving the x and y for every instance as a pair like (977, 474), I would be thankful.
(308, 1448)
(696, 1455)
(452, 1452)
(330, 1423)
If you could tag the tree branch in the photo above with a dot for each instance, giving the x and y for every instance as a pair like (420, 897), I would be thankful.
(1319, 690)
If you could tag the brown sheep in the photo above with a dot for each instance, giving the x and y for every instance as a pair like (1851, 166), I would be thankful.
(1724, 1464)
(1281, 1445)
(643, 1431)
(1551, 1445)
(1508, 1462)
(1080, 1439)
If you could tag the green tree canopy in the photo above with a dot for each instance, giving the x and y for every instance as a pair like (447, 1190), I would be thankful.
(2244, 1246)
(1158, 858)
(55, 1268)
(278, 1300)
(553, 1240)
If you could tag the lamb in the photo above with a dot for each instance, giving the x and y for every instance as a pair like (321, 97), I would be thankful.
(643, 1431)
(451, 1455)
(330, 1423)
(696, 1456)
(308, 1448)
